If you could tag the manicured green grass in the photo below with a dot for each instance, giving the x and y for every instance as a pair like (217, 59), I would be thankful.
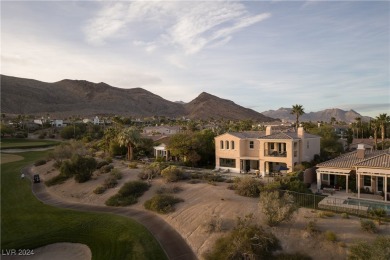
(27, 223)
(7, 143)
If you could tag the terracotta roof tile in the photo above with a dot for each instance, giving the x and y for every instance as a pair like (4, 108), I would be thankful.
(349, 160)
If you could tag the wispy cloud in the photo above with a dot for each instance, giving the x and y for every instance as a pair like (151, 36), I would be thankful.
(190, 26)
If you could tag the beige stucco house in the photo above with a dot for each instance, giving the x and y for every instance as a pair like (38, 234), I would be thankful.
(267, 152)
(370, 168)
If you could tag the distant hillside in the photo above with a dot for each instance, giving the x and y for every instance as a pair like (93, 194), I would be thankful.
(323, 115)
(208, 106)
(80, 97)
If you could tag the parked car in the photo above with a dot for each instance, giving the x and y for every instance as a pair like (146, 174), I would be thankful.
(36, 178)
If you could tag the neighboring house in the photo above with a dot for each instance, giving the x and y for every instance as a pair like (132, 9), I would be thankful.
(267, 151)
(370, 168)
(163, 130)
(369, 143)
(57, 123)
(161, 150)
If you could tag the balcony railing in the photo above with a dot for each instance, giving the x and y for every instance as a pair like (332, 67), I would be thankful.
(274, 153)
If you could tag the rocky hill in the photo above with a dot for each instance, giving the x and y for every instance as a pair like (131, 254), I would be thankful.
(80, 97)
(323, 115)
(210, 106)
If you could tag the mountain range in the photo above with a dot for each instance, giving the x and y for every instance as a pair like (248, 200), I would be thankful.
(326, 115)
(80, 97)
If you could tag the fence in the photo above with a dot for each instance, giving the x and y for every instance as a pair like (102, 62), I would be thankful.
(345, 205)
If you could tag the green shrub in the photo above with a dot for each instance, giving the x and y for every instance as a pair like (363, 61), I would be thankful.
(101, 164)
(116, 174)
(99, 190)
(377, 250)
(368, 226)
(133, 188)
(377, 213)
(110, 182)
(120, 201)
(330, 236)
(106, 168)
(247, 187)
(344, 215)
(39, 162)
(172, 174)
(162, 203)
(59, 179)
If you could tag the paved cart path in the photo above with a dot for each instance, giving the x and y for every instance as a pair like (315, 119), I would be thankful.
(170, 240)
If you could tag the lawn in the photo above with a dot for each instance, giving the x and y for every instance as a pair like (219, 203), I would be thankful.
(7, 143)
(27, 223)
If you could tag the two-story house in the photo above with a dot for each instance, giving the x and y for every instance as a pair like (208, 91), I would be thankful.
(268, 151)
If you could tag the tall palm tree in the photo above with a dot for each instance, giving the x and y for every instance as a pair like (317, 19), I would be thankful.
(358, 124)
(129, 137)
(383, 120)
(297, 110)
(375, 126)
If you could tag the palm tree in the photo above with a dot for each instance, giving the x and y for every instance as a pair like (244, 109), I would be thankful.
(297, 110)
(358, 122)
(375, 126)
(129, 137)
(383, 120)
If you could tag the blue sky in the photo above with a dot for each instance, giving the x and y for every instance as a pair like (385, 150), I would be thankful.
(260, 54)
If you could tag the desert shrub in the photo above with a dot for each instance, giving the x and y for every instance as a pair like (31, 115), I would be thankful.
(109, 159)
(213, 178)
(59, 179)
(194, 181)
(377, 213)
(291, 256)
(229, 181)
(214, 224)
(344, 215)
(110, 182)
(276, 207)
(162, 203)
(132, 165)
(168, 189)
(247, 187)
(66, 168)
(120, 201)
(377, 250)
(57, 164)
(246, 241)
(330, 236)
(368, 226)
(83, 168)
(101, 164)
(116, 174)
(325, 214)
(312, 228)
(106, 168)
(272, 186)
(99, 190)
(128, 194)
(172, 174)
(133, 188)
(39, 162)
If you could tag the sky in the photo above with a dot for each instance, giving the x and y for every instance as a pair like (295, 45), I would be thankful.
(261, 55)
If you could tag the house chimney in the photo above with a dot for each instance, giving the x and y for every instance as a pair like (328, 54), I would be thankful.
(360, 151)
(268, 130)
(301, 132)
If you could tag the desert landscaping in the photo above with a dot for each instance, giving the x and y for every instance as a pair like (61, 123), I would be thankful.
(204, 201)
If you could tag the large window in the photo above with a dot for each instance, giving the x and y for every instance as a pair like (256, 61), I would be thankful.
(221, 144)
(224, 162)
(232, 145)
(227, 144)
(367, 180)
(251, 144)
